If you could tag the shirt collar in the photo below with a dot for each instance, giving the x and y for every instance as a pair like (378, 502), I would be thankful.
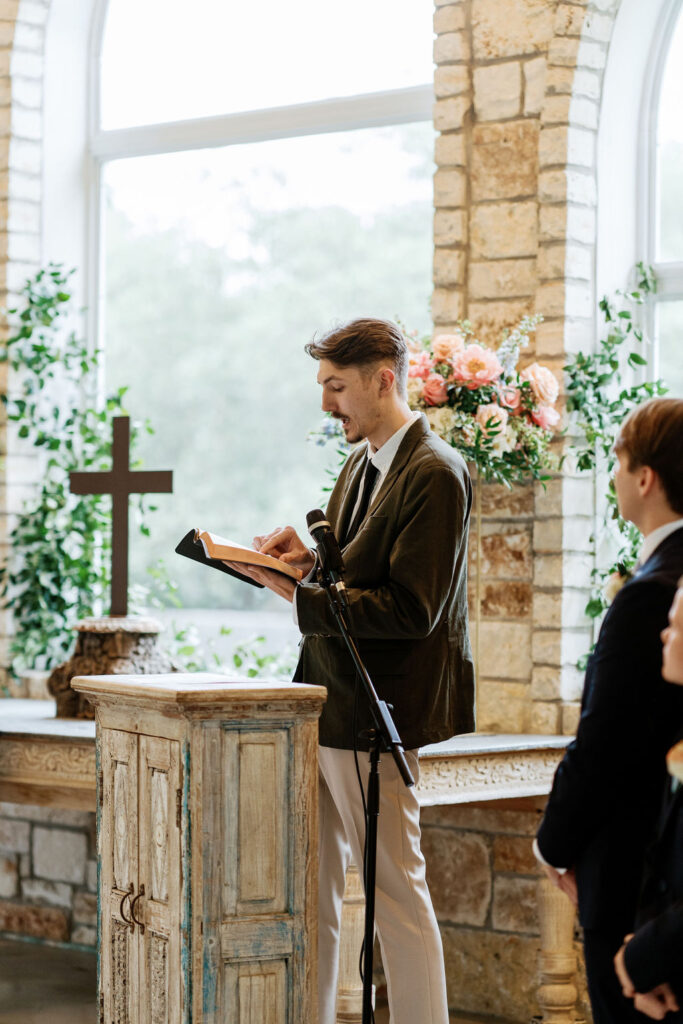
(654, 539)
(384, 456)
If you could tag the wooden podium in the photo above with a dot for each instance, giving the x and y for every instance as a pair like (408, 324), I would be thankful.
(207, 838)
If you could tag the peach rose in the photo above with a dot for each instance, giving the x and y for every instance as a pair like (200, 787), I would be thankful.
(511, 398)
(420, 365)
(545, 417)
(492, 418)
(434, 390)
(475, 366)
(445, 346)
(543, 383)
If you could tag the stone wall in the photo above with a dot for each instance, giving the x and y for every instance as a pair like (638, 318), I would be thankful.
(48, 873)
(22, 30)
(483, 876)
(518, 86)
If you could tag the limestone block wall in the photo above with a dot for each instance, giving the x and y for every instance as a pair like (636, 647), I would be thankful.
(483, 876)
(48, 873)
(22, 32)
(518, 87)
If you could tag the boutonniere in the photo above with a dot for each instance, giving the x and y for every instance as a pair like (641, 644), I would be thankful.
(674, 761)
(614, 582)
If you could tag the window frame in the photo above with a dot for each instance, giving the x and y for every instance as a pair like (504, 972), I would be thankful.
(669, 274)
(336, 114)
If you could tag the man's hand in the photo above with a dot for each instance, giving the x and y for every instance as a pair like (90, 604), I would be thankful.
(284, 543)
(567, 884)
(655, 1004)
(281, 585)
(627, 986)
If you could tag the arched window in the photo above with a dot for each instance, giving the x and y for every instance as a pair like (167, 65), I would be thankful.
(665, 213)
(259, 172)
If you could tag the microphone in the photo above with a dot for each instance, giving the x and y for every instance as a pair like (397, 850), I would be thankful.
(329, 553)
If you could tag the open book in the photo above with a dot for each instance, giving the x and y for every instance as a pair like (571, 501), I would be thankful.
(210, 549)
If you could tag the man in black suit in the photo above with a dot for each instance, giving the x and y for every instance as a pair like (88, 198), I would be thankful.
(606, 794)
(650, 963)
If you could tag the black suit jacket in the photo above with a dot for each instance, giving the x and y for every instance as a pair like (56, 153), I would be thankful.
(655, 953)
(606, 794)
(406, 579)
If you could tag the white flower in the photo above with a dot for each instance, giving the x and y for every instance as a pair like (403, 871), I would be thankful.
(613, 584)
(442, 420)
(414, 391)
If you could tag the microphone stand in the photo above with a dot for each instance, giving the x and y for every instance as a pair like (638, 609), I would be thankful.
(383, 736)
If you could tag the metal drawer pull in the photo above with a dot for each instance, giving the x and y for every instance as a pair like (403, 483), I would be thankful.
(126, 896)
(132, 910)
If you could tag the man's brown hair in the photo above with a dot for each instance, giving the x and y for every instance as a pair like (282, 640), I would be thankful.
(652, 435)
(364, 343)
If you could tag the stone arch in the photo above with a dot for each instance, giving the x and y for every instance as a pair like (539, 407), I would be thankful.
(567, 238)
(21, 85)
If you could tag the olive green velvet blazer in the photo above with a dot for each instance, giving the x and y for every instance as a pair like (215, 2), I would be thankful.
(406, 579)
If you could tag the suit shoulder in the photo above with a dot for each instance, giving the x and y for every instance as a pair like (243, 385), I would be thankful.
(433, 454)
(643, 598)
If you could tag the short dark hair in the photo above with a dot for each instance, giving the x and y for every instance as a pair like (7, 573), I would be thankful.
(363, 343)
(652, 435)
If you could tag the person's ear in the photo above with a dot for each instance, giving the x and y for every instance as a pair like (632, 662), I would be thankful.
(647, 480)
(387, 379)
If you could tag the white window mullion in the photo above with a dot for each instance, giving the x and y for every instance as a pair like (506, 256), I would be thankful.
(669, 280)
(372, 110)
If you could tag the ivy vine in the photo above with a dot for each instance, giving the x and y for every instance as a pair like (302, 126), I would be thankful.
(58, 565)
(599, 400)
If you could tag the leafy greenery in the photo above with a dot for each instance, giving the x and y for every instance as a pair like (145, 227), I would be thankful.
(600, 400)
(58, 569)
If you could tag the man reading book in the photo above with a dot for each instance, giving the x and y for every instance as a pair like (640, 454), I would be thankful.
(400, 510)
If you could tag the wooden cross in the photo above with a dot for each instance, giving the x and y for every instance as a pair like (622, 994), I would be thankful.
(120, 481)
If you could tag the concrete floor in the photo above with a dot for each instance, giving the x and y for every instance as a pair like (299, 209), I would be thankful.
(46, 985)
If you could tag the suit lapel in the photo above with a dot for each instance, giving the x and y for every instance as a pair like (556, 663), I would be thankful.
(341, 515)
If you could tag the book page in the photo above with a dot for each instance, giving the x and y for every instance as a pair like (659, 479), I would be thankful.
(227, 550)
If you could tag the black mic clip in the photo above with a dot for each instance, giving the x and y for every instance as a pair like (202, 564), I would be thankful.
(330, 571)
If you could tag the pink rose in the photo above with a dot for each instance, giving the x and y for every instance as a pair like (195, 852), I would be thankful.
(511, 398)
(543, 383)
(545, 417)
(492, 418)
(475, 366)
(435, 391)
(445, 346)
(420, 365)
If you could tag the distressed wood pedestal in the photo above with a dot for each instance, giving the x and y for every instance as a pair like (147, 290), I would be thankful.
(207, 827)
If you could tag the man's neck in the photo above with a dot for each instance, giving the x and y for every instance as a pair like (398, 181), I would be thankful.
(395, 418)
(655, 518)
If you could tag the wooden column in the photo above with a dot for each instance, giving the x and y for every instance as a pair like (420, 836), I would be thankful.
(349, 985)
(557, 992)
(207, 841)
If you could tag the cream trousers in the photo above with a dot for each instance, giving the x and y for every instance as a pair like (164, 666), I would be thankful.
(406, 924)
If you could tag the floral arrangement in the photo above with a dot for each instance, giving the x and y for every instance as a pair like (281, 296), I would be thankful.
(499, 418)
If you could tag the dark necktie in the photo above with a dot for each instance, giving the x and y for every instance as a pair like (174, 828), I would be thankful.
(369, 477)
